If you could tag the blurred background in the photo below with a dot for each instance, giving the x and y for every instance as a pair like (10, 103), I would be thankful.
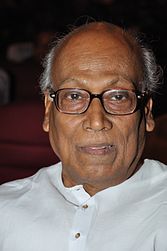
(27, 28)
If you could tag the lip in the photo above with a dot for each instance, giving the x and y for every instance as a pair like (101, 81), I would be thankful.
(97, 149)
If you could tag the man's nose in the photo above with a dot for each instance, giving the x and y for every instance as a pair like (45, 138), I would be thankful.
(96, 119)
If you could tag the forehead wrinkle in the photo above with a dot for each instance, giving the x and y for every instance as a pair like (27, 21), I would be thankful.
(92, 65)
(93, 55)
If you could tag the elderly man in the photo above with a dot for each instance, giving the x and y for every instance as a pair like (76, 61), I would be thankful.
(98, 85)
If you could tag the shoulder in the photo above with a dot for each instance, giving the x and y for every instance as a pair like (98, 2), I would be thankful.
(155, 173)
(11, 191)
(21, 201)
(23, 196)
(154, 167)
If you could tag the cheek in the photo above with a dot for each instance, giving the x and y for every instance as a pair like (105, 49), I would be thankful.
(132, 133)
(142, 135)
(62, 134)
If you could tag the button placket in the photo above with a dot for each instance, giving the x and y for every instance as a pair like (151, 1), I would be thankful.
(81, 225)
(80, 210)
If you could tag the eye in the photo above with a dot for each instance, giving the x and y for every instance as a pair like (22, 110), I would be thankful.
(119, 96)
(74, 96)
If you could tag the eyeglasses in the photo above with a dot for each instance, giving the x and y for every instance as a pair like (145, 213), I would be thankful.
(115, 102)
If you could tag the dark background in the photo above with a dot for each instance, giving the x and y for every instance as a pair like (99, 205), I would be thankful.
(22, 20)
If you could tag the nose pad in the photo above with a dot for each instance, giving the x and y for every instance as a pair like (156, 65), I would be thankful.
(96, 117)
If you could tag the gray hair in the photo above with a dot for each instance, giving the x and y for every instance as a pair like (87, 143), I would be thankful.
(45, 81)
(152, 71)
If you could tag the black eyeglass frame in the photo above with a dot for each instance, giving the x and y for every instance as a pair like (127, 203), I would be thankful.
(142, 98)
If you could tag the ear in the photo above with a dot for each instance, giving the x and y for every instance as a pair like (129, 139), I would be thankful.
(48, 103)
(150, 123)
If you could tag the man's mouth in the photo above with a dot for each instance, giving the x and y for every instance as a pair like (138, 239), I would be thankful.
(101, 149)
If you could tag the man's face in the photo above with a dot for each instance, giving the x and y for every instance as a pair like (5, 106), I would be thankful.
(97, 149)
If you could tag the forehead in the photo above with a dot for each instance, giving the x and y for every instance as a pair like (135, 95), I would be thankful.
(95, 52)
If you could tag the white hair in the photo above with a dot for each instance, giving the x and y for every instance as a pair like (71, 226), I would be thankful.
(152, 71)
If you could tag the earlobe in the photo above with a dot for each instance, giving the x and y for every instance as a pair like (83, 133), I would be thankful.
(150, 123)
(47, 112)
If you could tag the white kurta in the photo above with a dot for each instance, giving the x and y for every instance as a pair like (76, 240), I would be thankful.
(40, 214)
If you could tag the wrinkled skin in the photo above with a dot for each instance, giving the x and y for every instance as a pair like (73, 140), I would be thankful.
(97, 149)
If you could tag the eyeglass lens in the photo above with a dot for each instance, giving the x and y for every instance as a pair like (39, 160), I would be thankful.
(78, 100)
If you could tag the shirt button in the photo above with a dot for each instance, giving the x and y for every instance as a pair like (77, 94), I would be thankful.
(85, 206)
(77, 235)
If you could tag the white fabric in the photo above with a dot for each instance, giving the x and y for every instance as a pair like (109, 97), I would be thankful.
(40, 214)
